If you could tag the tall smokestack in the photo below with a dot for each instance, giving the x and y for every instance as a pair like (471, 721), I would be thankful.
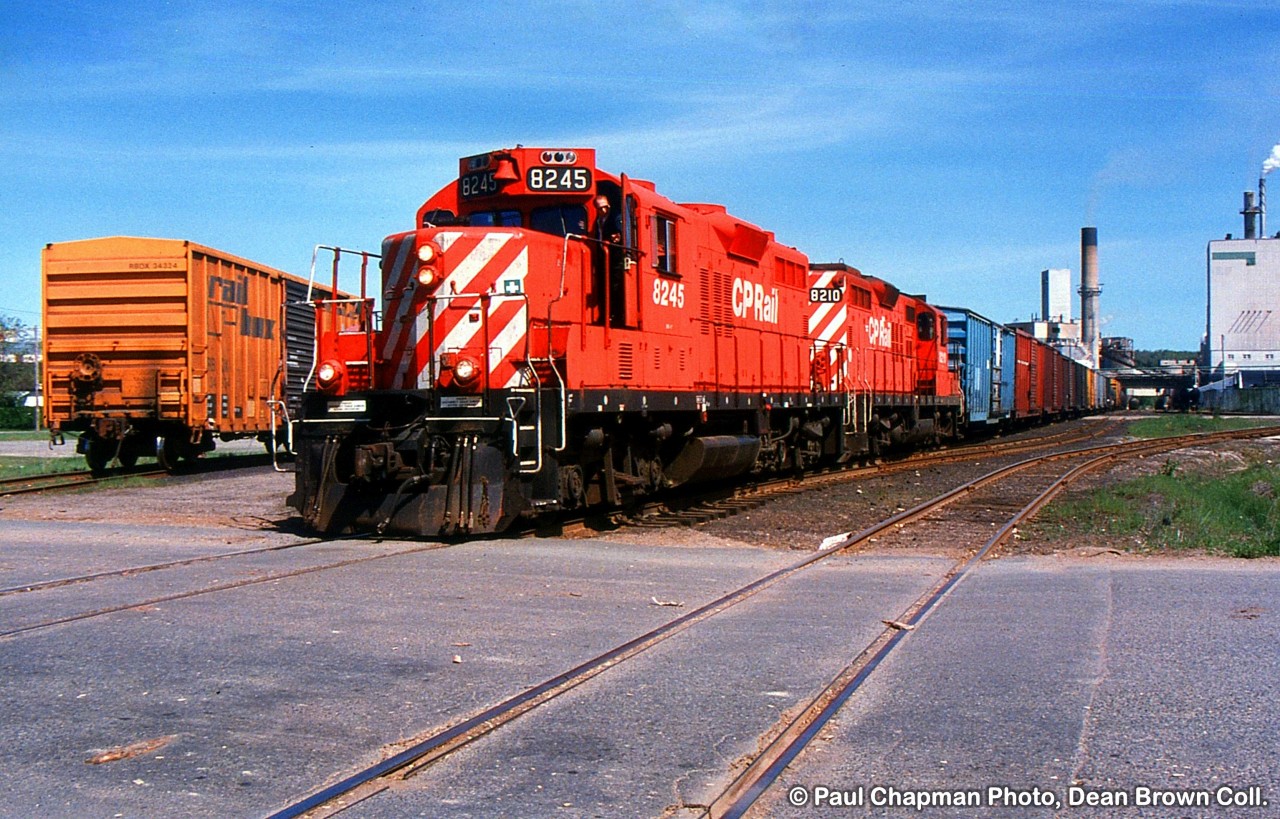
(1268, 165)
(1090, 290)
(1250, 213)
(1262, 206)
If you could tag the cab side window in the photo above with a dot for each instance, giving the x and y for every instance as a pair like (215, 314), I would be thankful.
(664, 245)
(924, 326)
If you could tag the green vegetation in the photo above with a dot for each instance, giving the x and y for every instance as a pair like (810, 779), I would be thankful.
(1152, 358)
(1168, 426)
(12, 466)
(1234, 514)
(12, 417)
(33, 435)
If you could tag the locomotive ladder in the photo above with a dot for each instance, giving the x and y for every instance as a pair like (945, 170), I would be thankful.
(521, 432)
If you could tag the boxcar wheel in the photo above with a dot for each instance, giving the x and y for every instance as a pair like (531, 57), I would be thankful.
(132, 448)
(169, 451)
(99, 455)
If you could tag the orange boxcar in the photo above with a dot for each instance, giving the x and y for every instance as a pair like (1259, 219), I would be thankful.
(156, 346)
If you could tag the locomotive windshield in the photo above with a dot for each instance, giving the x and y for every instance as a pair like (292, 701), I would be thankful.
(559, 220)
(495, 218)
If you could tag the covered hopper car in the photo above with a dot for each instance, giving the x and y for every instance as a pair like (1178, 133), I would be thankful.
(155, 347)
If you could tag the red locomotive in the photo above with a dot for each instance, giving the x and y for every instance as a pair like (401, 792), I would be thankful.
(553, 336)
(885, 352)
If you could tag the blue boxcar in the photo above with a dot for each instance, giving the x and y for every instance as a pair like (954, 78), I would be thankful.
(1009, 355)
(975, 350)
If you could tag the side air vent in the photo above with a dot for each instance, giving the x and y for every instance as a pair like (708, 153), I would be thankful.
(626, 361)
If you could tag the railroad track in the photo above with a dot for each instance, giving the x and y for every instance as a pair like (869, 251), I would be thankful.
(1009, 494)
(66, 480)
(694, 510)
(16, 627)
(83, 478)
(714, 503)
(133, 571)
(973, 510)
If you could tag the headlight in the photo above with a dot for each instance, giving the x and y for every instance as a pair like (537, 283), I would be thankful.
(427, 252)
(426, 276)
(329, 376)
(464, 370)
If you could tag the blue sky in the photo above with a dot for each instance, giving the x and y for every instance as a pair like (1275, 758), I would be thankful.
(955, 149)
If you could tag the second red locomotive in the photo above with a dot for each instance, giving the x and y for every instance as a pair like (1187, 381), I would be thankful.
(554, 336)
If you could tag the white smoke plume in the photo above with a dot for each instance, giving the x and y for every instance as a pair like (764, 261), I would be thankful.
(1272, 162)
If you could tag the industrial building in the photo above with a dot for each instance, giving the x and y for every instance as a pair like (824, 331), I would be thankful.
(1055, 295)
(1243, 316)
(1241, 347)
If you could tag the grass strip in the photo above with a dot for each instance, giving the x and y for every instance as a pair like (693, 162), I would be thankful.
(1168, 426)
(1235, 514)
(16, 466)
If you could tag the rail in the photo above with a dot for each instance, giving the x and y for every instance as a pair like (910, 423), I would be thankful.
(373, 779)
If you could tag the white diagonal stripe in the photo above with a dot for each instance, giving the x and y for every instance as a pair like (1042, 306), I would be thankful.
(507, 338)
(460, 277)
(398, 280)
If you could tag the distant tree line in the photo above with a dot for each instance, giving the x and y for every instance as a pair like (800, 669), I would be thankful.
(17, 377)
(1152, 358)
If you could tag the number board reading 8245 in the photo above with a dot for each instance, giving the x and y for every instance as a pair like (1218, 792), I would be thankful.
(544, 178)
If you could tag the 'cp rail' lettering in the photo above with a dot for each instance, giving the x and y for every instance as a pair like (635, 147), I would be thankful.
(751, 299)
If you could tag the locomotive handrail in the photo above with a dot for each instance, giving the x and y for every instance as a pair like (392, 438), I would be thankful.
(288, 426)
(315, 347)
(337, 253)
(515, 403)
(434, 297)
(563, 411)
(562, 392)
(513, 412)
